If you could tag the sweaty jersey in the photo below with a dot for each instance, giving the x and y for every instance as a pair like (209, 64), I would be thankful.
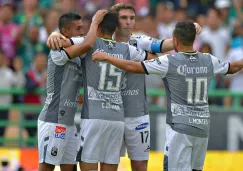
(64, 81)
(133, 88)
(103, 81)
(186, 77)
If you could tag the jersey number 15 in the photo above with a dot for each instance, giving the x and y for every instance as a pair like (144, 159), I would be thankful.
(111, 85)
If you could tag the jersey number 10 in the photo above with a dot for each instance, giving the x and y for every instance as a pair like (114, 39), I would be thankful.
(200, 95)
(111, 85)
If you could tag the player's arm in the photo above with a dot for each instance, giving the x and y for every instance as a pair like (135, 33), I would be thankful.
(235, 66)
(221, 67)
(56, 41)
(126, 65)
(160, 46)
(155, 66)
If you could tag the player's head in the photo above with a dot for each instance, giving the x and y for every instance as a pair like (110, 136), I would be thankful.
(109, 23)
(71, 25)
(126, 18)
(184, 34)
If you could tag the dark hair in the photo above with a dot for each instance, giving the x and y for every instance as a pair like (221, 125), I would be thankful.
(66, 19)
(109, 23)
(185, 32)
(123, 6)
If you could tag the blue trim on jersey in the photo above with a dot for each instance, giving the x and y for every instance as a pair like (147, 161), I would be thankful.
(155, 45)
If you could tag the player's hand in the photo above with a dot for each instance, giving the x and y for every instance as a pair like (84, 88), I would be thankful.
(198, 28)
(54, 40)
(98, 17)
(99, 56)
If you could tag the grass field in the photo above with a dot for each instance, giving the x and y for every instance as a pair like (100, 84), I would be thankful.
(215, 161)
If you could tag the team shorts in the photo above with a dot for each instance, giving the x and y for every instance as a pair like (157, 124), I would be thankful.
(183, 152)
(57, 143)
(137, 138)
(101, 141)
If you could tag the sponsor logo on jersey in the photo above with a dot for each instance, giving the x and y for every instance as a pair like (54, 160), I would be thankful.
(60, 132)
(142, 126)
(69, 103)
(133, 42)
(54, 151)
(130, 92)
(119, 56)
(184, 70)
(111, 97)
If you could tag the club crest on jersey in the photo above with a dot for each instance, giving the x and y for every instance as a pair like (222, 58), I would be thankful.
(110, 45)
(133, 42)
(60, 132)
(54, 151)
(142, 126)
(193, 59)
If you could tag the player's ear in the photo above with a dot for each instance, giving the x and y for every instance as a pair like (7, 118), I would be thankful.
(64, 32)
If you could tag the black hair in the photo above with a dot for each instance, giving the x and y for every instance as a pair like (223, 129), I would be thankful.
(66, 19)
(109, 23)
(185, 32)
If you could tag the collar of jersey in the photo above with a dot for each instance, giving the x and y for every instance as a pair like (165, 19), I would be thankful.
(190, 53)
(108, 40)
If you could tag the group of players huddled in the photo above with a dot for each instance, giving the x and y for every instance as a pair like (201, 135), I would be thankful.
(109, 63)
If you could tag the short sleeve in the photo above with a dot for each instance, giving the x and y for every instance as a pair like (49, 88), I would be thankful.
(59, 57)
(146, 43)
(157, 66)
(219, 67)
(76, 40)
(137, 54)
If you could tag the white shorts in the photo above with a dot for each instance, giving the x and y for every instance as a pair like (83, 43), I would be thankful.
(57, 143)
(137, 138)
(101, 141)
(183, 152)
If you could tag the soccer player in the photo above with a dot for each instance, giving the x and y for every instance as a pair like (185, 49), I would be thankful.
(137, 122)
(186, 76)
(102, 125)
(57, 134)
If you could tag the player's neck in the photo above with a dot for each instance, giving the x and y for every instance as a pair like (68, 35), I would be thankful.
(121, 38)
(186, 49)
(105, 36)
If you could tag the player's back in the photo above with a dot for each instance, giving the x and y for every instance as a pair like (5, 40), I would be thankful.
(187, 82)
(102, 83)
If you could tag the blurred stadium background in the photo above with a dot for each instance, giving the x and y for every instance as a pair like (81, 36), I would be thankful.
(25, 26)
